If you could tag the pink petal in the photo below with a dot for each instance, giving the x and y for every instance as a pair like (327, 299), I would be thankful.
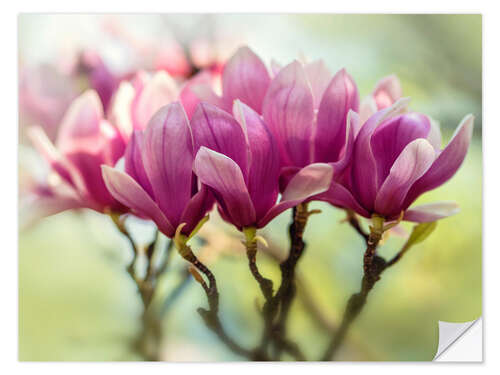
(289, 112)
(431, 212)
(188, 96)
(319, 77)
(81, 121)
(340, 97)
(128, 192)
(447, 163)
(245, 77)
(434, 136)
(120, 110)
(158, 92)
(387, 91)
(168, 159)
(134, 164)
(339, 196)
(363, 171)
(225, 178)
(89, 168)
(53, 157)
(391, 137)
(264, 166)
(411, 164)
(367, 108)
(309, 181)
(196, 209)
(218, 130)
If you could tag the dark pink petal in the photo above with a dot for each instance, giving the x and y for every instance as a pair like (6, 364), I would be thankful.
(447, 163)
(128, 192)
(168, 159)
(411, 164)
(245, 77)
(89, 168)
(159, 91)
(218, 130)
(339, 196)
(426, 213)
(134, 164)
(196, 209)
(224, 176)
(387, 91)
(289, 112)
(339, 98)
(309, 181)
(286, 174)
(319, 77)
(363, 171)
(81, 121)
(391, 137)
(264, 165)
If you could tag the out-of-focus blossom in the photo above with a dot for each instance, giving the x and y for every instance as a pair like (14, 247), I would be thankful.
(237, 158)
(137, 100)
(99, 76)
(387, 91)
(44, 96)
(84, 142)
(158, 182)
(396, 158)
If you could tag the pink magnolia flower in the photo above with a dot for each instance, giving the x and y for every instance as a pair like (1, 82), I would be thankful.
(244, 77)
(158, 182)
(396, 158)
(84, 142)
(238, 160)
(307, 111)
(44, 96)
(387, 91)
(137, 100)
(99, 75)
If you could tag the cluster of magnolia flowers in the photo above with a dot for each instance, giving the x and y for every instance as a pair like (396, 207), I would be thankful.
(271, 139)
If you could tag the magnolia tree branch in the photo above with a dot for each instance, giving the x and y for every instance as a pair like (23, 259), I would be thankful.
(211, 316)
(373, 266)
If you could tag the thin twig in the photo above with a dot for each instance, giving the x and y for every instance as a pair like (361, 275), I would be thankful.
(211, 316)
(353, 220)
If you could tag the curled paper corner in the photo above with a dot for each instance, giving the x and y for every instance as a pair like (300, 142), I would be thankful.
(456, 336)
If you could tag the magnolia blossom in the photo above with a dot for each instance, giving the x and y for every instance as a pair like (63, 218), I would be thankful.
(396, 158)
(238, 160)
(137, 100)
(158, 182)
(308, 112)
(244, 77)
(45, 94)
(85, 141)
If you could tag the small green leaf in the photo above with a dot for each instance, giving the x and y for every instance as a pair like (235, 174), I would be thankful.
(420, 232)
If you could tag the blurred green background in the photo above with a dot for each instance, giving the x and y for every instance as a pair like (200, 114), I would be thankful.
(76, 302)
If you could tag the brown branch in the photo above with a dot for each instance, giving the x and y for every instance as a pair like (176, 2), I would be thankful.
(211, 316)
(373, 266)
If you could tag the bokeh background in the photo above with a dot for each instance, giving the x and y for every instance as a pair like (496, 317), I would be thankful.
(76, 302)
